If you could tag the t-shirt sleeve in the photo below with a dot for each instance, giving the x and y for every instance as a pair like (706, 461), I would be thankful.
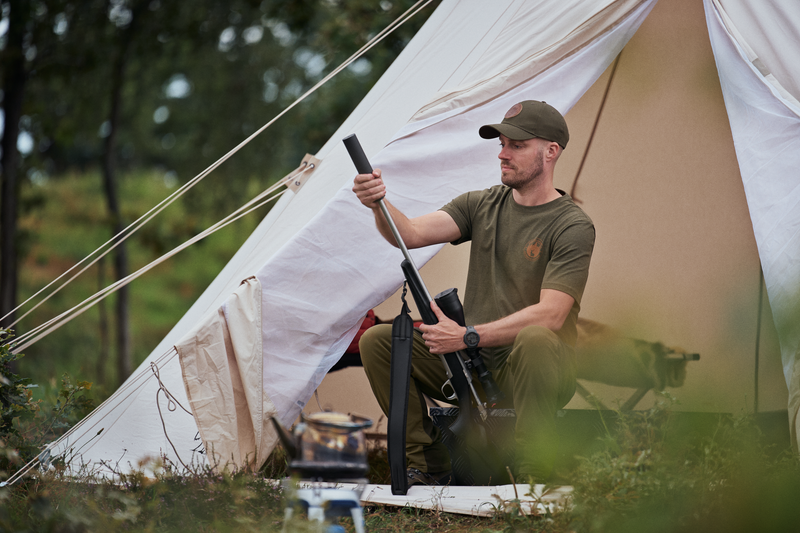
(568, 268)
(459, 210)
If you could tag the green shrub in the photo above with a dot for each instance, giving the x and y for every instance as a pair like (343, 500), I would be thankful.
(648, 479)
(25, 426)
(18, 407)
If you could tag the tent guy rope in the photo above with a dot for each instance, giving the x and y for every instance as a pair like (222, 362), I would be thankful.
(573, 191)
(38, 332)
(172, 402)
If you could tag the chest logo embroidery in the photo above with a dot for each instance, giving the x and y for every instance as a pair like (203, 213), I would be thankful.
(533, 249)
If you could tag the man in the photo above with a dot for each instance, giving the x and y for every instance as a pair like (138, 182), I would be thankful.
(529, 260)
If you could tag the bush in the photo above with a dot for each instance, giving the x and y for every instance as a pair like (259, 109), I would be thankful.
(25, 427)
(18, 407)
(197, 501)
(646, 479)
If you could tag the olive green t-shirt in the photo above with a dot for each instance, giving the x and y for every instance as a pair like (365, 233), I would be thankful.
(519, 250)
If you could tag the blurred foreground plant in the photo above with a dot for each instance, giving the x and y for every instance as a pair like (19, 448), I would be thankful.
(647, 478)
(200, 500)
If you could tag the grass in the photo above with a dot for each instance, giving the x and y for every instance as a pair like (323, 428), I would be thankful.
(646, 478)
(201, 501)
(643, 477)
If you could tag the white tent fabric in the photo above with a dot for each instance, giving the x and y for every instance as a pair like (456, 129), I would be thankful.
(469, 501)
(319, 260)
(760, 80)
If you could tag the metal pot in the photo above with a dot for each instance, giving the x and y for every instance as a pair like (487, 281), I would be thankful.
(327, 446)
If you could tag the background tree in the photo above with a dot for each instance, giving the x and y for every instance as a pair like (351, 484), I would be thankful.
(26, 48)
(14, 74)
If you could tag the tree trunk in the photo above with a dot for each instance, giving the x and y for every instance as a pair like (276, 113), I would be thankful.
(102, 357)
(124, 363)
(14, 78)
(124, 358)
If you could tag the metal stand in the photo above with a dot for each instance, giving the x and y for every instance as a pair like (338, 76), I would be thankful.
(323, 502)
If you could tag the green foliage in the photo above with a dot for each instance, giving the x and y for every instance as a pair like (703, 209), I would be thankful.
(71, 224)
(15, 395)
(71, 405)
(651, 474)
(202, 501)
(18, 407)
(647, 479)
(239, 64)
(26, 426)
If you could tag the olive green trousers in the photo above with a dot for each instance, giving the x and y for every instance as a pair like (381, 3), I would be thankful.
(536, 373)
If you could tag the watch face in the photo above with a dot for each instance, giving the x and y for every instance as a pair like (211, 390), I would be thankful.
(472, 338)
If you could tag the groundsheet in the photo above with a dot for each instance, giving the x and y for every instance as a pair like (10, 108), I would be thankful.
(472, 501)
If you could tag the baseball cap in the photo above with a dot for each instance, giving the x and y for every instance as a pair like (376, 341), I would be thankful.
(527, 120)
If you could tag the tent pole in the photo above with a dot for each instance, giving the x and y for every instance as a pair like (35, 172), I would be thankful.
(594, 129)
(758, 336)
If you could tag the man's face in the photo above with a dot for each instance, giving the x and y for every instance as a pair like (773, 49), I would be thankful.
(521, 162)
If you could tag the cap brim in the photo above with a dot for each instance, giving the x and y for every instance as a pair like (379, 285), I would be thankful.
(492, 131)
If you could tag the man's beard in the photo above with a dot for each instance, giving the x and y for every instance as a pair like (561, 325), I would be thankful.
(517, 179)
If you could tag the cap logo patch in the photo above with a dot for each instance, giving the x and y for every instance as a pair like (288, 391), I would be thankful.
(514, 111)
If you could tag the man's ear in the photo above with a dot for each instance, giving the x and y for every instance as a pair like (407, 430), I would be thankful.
(552, 151)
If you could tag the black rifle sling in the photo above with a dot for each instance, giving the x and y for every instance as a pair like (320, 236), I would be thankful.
(400, 381)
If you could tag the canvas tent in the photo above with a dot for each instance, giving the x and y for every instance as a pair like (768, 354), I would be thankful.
(279, 315)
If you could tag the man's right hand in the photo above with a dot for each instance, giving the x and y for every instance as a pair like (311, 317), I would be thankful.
(369, 188)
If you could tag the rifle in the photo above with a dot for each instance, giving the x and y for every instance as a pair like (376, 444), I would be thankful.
(447, 300)
(458, 370)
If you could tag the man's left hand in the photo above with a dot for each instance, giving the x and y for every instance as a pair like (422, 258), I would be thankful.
(446, 336)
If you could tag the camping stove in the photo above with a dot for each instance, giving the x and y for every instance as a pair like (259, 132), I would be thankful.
(326, 448)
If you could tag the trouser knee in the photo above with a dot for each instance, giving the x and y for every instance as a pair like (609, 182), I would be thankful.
(375, 345)
(542, 371)
(541, 364)
(424, 448)
(537, 337)
(535, 345)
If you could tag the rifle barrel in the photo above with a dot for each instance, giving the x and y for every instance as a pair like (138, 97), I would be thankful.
(363, 166)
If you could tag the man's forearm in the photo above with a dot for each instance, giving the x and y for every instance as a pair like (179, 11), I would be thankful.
(433, 228)
(399, 219)
(503, 332)
(383, 226)
(550, 312)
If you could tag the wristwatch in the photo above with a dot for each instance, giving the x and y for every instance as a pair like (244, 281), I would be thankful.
(471, 338)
